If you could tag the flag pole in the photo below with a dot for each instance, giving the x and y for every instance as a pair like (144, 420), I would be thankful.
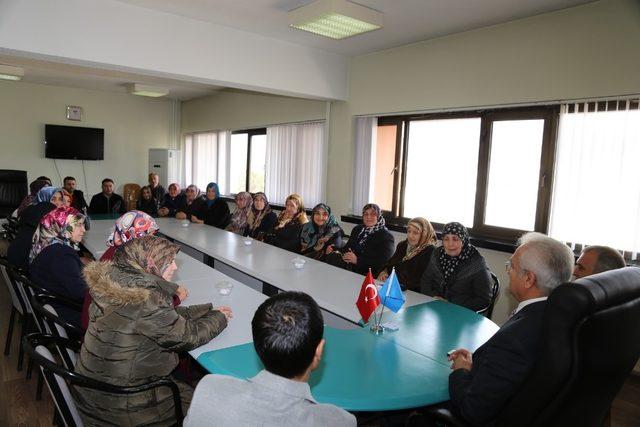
(384, 303)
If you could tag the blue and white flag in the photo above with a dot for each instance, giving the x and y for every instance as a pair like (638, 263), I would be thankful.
(391, 294)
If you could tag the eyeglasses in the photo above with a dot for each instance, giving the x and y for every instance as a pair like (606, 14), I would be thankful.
(508, 266)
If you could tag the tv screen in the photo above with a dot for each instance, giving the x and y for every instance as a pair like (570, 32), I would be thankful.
(71, 142)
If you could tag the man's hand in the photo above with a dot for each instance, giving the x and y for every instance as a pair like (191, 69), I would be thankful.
(461, 358)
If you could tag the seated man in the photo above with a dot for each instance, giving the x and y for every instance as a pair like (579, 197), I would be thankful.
(596, 259)
(107, 202)
(173, 201)
(287, 335)
(481, 384)
(77, 196)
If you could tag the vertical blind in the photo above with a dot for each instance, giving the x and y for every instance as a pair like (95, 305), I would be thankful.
(596, 197)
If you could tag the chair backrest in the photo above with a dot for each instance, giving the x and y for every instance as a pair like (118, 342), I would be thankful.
(495, 292)
(590, 343)
(59, 391)
(32, 344)
(15, 300)
(13, 188)
(57, 327)
(131, 195)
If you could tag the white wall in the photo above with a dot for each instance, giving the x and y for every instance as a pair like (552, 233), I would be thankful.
(586, 51)
(231, 110)
(132, 125)
(120, 36)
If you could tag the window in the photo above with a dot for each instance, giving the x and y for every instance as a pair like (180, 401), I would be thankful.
(490, 170)
(597, 177)
(204, 158)
(247, 160)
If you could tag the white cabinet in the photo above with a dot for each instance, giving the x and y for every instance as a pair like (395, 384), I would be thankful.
(166, 163)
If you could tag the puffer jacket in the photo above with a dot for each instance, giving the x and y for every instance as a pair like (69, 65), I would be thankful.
(133, 337)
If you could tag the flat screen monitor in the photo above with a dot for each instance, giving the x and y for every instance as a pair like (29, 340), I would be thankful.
(72, 142)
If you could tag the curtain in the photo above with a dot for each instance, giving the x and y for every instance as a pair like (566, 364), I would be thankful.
(596, 194)
(204, 159)
(364, 158)
(295, 162)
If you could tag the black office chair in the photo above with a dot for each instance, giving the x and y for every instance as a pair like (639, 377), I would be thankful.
(495, 292)
(58, 379)
(13, 188)
(590, 344)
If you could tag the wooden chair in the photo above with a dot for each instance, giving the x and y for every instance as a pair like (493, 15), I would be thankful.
(131, 196)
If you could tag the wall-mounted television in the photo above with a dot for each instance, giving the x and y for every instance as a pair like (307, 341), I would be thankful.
(72, 142)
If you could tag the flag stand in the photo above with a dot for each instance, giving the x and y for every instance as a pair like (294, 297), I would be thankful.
(377, 328)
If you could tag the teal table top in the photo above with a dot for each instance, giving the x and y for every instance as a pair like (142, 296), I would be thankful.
(365, 372)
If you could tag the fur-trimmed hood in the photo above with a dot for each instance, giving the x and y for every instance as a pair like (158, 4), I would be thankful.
(99, 278)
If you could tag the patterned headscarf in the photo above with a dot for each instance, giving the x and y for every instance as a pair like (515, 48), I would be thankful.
(132, 225)
(197, 191)
(216, 190)
(379, 225)
(255, 217)
(427, 237)
(300, 215)
(449, 264)
(314, 236)
(148, 254)
(45, 194)
(56, 228)
(239, 217)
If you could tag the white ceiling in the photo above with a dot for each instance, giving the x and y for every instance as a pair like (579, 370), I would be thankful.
(405, 21)
(68, 75)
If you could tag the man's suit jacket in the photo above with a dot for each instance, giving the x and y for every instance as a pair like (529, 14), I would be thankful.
(499, 367)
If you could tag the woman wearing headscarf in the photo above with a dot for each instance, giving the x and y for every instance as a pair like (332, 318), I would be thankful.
(34, 187)
(286, 233)
(260, 218)
(193, 202)
(321, 232)
(239, 218)
(47, 199)
(131, 225)
(370, 244)
(135, 334)
(172, 202)
(147, 203)
(457, 272)
(412, 255)
(54, 261)
(213, 211)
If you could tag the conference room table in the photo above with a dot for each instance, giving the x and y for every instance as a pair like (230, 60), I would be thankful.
(360, 371)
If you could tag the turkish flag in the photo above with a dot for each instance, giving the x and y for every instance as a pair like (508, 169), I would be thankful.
(368, 299)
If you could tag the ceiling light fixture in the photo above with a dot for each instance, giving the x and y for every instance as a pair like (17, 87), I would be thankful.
(9, 72)
(337, 19)
(146, 90)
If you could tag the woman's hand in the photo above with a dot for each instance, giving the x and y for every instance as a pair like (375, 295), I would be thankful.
(383, 275)
(196, 220)
(226, 311)
(329, 249)
(350, 258)
(163, 211)
(181, 215)
(182, 293)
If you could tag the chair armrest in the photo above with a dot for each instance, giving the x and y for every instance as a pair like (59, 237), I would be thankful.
(446, 416)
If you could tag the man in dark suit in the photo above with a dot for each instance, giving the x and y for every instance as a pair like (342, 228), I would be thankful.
(107, 202)
(77, 196)
(482, 383)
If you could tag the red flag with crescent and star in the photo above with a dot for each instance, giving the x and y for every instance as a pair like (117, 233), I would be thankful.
(368, 298)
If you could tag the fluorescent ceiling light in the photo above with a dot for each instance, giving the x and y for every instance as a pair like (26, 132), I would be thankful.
(146, 90)
(336, 19)
(9, 72)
